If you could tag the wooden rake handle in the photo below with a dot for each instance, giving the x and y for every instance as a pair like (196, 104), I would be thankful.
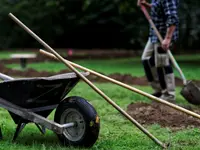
(87, 81)
(127, 87)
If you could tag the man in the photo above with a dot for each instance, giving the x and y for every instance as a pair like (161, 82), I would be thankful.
(155, 59)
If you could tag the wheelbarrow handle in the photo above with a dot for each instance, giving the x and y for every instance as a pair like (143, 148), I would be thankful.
(143, 8)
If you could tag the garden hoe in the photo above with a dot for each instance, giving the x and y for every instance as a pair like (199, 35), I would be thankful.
(87, 81)
(190, 91)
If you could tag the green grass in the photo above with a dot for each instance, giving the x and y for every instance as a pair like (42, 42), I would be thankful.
(188, 63)
(116, 132)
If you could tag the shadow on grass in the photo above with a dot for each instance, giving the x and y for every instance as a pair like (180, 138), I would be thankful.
(31, 138)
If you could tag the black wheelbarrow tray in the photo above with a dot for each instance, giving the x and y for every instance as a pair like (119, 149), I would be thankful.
(31, 100)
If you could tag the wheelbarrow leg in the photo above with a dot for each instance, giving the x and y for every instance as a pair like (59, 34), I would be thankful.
(19, 128)
(1, 135)
(41, 128)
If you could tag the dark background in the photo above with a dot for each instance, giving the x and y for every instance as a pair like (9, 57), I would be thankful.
(86, 24)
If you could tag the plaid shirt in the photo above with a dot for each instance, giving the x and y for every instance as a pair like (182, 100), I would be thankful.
(164, 13)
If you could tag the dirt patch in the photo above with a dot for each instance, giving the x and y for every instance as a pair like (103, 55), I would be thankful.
(163, 115)
(26, 73)
(125, 78)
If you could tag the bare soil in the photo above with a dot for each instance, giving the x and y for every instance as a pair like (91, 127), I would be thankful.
(165, 116)
(125, 78)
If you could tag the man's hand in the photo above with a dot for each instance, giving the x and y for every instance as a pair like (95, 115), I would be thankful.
(166, 43)
(139, 2)
(143, 2)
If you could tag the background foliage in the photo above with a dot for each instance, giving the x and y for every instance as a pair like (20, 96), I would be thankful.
(89, 24)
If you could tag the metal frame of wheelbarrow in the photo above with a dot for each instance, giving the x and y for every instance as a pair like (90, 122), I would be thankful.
(190, 91)
(71, 66)
(30, 115)
(22, 115)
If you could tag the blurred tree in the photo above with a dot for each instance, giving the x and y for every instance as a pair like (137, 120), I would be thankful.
(89, 23)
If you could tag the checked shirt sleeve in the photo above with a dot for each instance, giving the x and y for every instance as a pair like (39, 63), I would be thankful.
(171, 12)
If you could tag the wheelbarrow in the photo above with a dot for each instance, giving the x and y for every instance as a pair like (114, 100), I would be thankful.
(31, 100)
(72, 65)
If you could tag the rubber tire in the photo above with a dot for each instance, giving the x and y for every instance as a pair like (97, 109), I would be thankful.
(92, 121)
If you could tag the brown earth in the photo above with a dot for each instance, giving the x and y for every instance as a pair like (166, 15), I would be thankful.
(163, 115)
(125, 78)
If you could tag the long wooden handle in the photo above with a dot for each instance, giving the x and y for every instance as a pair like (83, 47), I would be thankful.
(143, 8)
(128, 87)
(87, 81)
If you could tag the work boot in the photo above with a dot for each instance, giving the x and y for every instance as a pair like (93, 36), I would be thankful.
(168, 97)
(157, 94)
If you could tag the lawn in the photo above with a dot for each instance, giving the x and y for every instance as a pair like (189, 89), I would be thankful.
(133, 66)
(116, 133)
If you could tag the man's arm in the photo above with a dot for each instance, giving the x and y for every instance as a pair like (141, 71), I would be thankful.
(170, 10)
(170, 31)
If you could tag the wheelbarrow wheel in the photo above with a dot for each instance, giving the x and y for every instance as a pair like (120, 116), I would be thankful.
(87, 124)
